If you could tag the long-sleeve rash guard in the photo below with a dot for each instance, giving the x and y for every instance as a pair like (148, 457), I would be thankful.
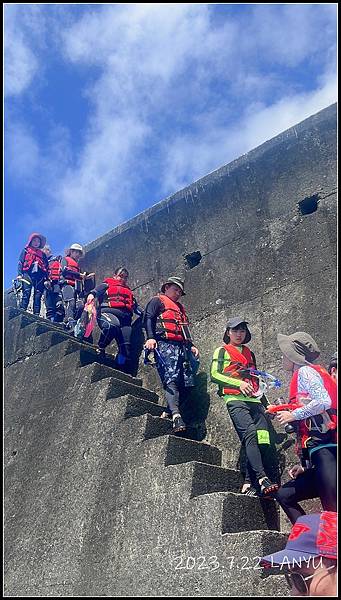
(310, 382)
(153, 310)
(221, 360)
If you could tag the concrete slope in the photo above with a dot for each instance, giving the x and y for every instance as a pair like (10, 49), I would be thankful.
(102, 499)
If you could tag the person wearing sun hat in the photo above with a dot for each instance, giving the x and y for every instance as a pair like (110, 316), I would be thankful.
(332, 367)
(167, 328)
(33, 271)
(230, 371)
(315, 390)
(309, 559)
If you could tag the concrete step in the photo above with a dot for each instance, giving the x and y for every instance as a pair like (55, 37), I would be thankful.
(26, 341)
(102, 371)
(207, 479)
(239, 512)
(42, 342)
(28, 318)
(157, 426)
(136, 407)
(167, 449)
(204, 478)
(119, 387)
(180, 450)
(48, 339)
(261, 542)
(10, 313)
(12, 333)
(34, 326)
(88, 354)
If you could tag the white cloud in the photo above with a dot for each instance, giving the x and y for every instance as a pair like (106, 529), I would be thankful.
(176, 95)
(20, 63)
(190, 157)
(287, 34)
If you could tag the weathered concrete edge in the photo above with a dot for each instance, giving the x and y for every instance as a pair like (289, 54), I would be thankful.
(217, 173)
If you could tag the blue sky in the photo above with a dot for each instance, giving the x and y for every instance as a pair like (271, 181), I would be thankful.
(111, 108)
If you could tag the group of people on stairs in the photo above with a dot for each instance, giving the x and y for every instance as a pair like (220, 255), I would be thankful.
(312, 404)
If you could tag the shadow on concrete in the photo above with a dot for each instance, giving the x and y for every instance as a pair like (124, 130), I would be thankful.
(137, 342)
(194, 409)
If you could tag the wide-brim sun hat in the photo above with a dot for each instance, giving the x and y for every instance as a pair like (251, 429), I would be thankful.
(40, 236)
(177, 282)
(234, 322)
(75, 247)
(299, 347)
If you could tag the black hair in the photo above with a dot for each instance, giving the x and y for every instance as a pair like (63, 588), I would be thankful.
(119, 270)
(332, 365)
(329, 563)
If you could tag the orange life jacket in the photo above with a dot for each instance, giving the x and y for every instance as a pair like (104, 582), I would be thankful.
(34, 255)
(55, 268)
(119, 294)
(172, 323)
(239, 362)
(309, 435)
(73, 266)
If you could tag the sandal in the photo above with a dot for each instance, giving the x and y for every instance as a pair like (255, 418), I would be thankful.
(267, 488)
(166, 415)
(250, 491)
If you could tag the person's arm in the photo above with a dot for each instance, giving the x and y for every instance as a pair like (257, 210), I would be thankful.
(21, 262)
(220, 361)
(98, 292)
(137, 308)
(46, 263)
(311, 382)
(153, 309)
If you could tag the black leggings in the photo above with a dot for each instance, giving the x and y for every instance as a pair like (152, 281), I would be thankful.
(54, 305)
(35, 280)
(176, 396)
(317, 482)
(115, 325)
(73, 304)
(250, 422)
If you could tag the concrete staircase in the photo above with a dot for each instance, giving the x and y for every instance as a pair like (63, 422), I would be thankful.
(102, 498)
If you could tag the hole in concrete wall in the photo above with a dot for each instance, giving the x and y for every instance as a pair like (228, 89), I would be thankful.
(15, 452)
(193, 259)
(308, 205)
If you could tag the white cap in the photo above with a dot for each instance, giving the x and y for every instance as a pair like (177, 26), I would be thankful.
(77, 247)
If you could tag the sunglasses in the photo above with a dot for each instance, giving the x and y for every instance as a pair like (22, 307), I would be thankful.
(299, 582)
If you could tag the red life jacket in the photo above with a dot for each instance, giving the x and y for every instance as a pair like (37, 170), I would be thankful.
(309, 435)
(55, 268)
(172, 323)
(73, 266)
(239, 362)
(34, 255)
(119, 294)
